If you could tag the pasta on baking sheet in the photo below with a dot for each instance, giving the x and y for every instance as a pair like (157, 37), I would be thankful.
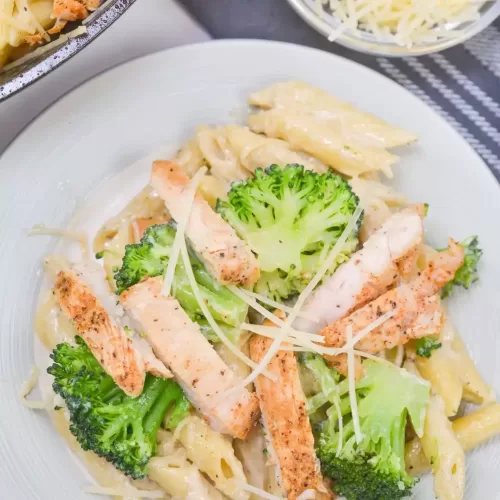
(287, 312)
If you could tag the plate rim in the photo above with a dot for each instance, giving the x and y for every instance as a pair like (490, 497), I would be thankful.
(483, 180)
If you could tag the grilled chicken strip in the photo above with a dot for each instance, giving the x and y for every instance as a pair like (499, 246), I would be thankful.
(107, 341)
(288, 431)
(227, 257)
(369, 272)
(203, 375)
(415, 304)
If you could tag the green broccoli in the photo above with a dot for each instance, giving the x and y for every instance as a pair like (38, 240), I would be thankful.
(291, 218)
(374, 468)
(150, 258)
(426, 345)
(104, 419)
(467, 273)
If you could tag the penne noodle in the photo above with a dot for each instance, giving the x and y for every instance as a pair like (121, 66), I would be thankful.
(441, 371)
(470, 430)
(444, 452)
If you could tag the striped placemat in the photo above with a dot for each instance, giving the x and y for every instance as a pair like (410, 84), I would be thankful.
(462, 84)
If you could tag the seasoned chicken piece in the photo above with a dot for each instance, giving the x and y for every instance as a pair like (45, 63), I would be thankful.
(228, 258)
(69, 10)
(138, 226)
(417, 311)
(286, 424)
(107, 341)
(369, 272)
(203, 375)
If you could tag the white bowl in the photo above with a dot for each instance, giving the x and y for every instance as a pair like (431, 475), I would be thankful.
(367, 43)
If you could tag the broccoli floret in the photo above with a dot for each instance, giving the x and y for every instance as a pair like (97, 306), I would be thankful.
(291, 218)
(425, 346)
(467, 273)
(150, 258)
(104, 419)
(374, 468)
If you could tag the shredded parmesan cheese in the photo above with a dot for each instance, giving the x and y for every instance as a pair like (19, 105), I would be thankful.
(79, 237)
(403, 22)
(126, 492)
(277, 305)
(327, 264)
(181, 229)
(27, 387)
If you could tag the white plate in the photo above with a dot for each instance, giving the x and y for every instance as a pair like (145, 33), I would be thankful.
(118, 117)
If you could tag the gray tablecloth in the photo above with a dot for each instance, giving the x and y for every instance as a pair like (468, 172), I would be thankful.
(462, 84)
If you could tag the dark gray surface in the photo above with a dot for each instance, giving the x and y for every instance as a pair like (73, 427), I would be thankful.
(462, 83)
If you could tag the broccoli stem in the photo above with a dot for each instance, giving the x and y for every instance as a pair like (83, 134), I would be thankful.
(223, 310)
(170, 392)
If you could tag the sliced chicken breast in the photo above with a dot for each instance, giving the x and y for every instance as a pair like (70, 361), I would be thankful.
(369, 272)
(203, 375)
(108, 342)
(227, 257)
(417, 311)
(290, 441)
(138, 226)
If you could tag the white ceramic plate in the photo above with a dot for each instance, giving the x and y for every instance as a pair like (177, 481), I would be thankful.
(67, 159)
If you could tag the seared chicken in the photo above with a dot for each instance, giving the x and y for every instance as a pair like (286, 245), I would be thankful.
(286, 424)
(417, 311)
(138, 226)
(227, 257)
(108, 342)
(369, 272)
(203, 375)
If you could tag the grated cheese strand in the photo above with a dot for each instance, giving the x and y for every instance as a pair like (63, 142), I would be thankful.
(277, 305)
(27, 387)
(78, 236)
(126, 492)
(351, 376)
(268, 331)
(305, 339)
(169, 275)
(255, 305)
(327, 264)
(208, 314)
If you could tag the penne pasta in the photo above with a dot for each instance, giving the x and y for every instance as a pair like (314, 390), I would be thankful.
(213, 454)
(307, 133)
(441, 371)
(475, 389)
(181, 479)
(444, 452)
(470, 430)
(477, 427)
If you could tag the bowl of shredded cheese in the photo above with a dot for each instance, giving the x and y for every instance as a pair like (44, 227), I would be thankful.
(398, 27)
(36, 36)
